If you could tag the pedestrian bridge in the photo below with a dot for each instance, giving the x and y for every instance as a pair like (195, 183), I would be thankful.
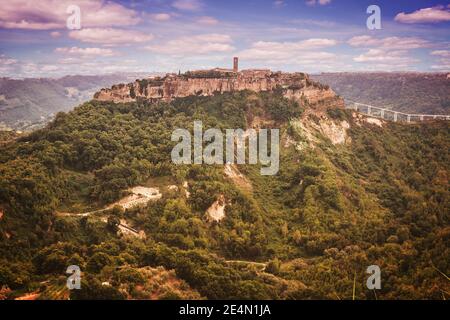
(391, 115)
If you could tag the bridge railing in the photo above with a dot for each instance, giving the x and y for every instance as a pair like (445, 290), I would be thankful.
(391, 115)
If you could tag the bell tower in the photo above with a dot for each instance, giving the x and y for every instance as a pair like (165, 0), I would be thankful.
(235, 64)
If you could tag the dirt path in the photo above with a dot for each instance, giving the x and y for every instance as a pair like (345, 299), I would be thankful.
(85, 214)
(140, 196)
(261, 265)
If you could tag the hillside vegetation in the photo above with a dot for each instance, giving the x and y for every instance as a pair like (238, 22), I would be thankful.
(335, 208)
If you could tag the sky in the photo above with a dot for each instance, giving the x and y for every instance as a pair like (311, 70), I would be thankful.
(42, 39)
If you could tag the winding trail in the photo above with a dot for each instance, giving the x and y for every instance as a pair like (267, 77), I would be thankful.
(261, 265)
(139, 196)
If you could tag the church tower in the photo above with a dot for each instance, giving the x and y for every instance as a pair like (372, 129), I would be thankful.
(235, 64)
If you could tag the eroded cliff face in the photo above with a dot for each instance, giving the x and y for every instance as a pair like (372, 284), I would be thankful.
(295, 86)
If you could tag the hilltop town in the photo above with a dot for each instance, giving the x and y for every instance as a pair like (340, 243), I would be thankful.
(297, 86)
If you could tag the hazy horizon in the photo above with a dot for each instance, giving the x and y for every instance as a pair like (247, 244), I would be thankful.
(168, 72)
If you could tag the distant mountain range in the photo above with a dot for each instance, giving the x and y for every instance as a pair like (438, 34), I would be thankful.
(29, 103)
(427, 93)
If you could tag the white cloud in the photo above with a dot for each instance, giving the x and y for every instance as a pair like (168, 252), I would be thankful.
(388, 54)
(264, 49)
(443, 60)
(49, 68)
(13, 68)
(55, 34)
(198, 44)
(426, 15)
(8, 66)
(313, 22)
(188, 5)
(29, 69)
(210, 21)
(279, 3)
(441, 67)
(383, 56)
(51, 14)
(101, 52)
(110, 36)
(389, 42)
(317, 2)
(7, 61)
(387, 60)
(161, 16)
(70, 64)
(71, 60)
(304, 53)
(441, 53)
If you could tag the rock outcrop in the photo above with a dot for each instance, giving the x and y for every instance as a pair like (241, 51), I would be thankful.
(216, 212)
(296, 86)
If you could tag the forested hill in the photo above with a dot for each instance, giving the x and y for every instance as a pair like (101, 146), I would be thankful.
(350, 193)
(425, 93)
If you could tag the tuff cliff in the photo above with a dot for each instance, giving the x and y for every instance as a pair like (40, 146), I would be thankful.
(297, 86)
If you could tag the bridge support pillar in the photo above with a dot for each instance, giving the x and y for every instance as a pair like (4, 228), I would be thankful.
(409, 118)
(368, 110)
(421, 118)
(395, 116)
(382, 114)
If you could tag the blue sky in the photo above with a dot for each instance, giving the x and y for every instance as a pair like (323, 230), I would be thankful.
(171, 35)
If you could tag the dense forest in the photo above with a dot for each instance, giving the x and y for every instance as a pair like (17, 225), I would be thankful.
(423, 93)
(309, 232)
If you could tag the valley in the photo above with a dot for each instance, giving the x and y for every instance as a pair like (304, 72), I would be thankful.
(29, 104)
(407, 92)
